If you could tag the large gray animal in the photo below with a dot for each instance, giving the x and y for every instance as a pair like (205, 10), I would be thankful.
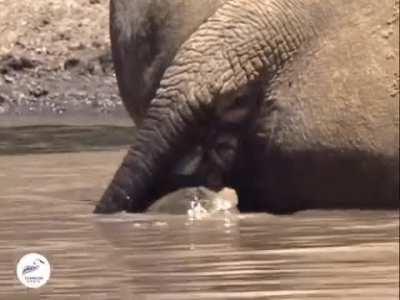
(304, 96)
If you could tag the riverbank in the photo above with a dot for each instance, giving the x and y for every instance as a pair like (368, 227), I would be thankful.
(55, 64)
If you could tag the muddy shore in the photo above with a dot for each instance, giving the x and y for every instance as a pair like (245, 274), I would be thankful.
(55, 64)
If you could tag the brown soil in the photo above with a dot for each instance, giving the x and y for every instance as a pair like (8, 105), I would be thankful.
(55, 63)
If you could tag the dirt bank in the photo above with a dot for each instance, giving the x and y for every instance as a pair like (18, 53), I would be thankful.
(55, 64)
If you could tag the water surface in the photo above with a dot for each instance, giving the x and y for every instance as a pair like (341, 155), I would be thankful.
(45, 206)
(56, 139)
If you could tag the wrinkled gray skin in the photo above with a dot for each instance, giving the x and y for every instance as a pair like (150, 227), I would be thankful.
(304, 95)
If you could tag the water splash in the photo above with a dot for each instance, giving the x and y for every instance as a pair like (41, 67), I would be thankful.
(196, 210)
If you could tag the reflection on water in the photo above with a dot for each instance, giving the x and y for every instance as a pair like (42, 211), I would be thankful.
(45, 206)
(50, 139)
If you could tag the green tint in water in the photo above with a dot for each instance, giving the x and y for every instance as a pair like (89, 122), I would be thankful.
(58, 139)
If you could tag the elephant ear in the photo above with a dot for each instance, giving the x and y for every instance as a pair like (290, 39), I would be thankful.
(245, 42)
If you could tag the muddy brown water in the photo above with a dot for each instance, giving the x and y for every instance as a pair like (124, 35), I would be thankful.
(46, 201)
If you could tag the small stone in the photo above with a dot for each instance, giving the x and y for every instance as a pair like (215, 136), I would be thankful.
(96, 44)
(64, 36)
(3, 98)
(60, 110)
(45, 22)
(42, 50)
(4, 108)
(76, 46)
(386, 33)
(38, 92)
(94, 68)
(71, 63)
(9, 79)
(20, 44)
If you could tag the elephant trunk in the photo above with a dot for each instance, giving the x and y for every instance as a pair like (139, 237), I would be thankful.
(242, 43)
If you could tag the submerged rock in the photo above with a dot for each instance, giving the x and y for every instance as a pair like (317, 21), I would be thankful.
(196, 200)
